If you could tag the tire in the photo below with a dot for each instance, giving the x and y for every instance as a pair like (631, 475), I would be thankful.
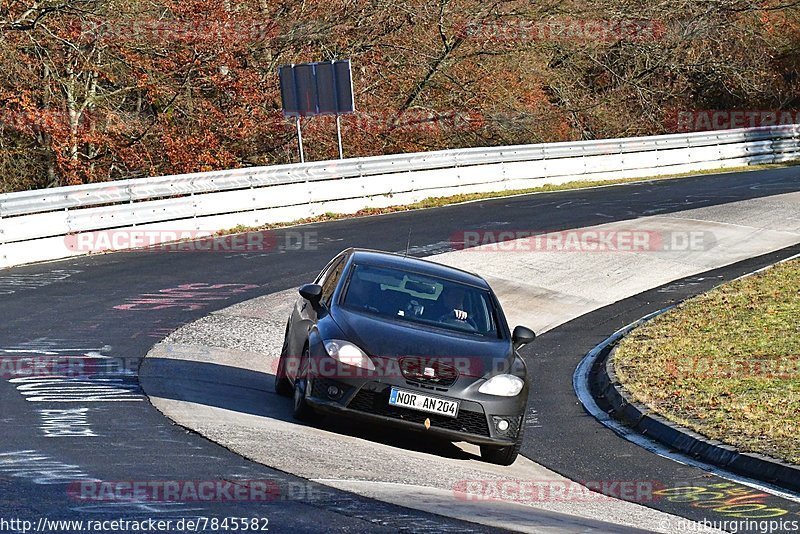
(302, 411)
(283, 386)
(503, 455)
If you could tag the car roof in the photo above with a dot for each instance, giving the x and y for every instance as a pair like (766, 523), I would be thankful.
(396, 261)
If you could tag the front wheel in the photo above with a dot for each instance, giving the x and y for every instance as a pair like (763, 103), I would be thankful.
(302, 411)
(503, 455)
(283, 386)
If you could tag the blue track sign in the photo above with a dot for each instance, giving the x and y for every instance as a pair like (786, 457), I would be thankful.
(322, 88)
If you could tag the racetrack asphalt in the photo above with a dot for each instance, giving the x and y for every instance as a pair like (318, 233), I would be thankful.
(68, 308)
(566, 439)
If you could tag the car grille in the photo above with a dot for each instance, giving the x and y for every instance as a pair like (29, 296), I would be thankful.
(378, 404)
(413, 369)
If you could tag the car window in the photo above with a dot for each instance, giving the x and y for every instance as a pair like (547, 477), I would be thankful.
(330, 279)
(412, 297)
(324, 272)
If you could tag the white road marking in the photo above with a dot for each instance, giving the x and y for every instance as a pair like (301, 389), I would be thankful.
(72, 422)
(71, 389)
(39, 468)
(13, 283)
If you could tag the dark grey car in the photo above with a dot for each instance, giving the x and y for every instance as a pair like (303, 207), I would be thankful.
(411, 343)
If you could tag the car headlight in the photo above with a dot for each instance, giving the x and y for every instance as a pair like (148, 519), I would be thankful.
(502, 386)
(348, 354)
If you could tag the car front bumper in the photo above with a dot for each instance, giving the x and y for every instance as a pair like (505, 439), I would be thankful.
(368, 399)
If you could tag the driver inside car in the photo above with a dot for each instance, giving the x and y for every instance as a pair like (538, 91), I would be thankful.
(453, 302)
(364, 295)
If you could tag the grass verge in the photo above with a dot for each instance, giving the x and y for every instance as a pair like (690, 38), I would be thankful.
(726, 364)
(435, 202)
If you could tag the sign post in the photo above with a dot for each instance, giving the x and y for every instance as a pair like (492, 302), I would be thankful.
(311, 89)
(339, 135)
(300, 139)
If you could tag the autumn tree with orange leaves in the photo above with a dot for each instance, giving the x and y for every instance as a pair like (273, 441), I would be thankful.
(95, 91)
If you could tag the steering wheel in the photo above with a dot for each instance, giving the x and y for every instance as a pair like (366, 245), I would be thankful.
(450, 318)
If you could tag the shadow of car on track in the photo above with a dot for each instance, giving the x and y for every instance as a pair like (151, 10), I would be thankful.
(253, 393)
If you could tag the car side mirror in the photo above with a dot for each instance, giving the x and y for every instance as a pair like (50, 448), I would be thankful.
(312, 293)
(522, 336)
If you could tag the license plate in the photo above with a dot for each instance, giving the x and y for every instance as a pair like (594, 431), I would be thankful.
(423, 403)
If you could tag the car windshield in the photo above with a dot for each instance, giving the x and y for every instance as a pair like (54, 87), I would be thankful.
(417, 298)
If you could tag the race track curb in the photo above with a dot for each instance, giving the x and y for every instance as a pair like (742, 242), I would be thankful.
(622, 406)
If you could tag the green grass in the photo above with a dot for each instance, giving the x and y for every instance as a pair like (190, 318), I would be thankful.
(435, 202)
(726, 364)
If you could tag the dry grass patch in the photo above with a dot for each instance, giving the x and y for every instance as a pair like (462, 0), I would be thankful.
(726, 364)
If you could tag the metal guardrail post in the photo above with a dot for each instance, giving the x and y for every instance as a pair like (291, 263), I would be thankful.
(455, 167)
(194, 205)
(544, 163)
(67, 219)
(413, 181)
(584, 167)
(3, 255)
(772, 152)
(504, 173)
(129, 190)
(253, 196)
(796, 137)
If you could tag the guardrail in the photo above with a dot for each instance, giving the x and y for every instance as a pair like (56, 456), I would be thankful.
(47, 224)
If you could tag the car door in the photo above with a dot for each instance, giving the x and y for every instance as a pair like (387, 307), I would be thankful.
(304, 316)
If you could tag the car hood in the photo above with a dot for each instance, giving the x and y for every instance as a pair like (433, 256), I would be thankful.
(381, 338)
